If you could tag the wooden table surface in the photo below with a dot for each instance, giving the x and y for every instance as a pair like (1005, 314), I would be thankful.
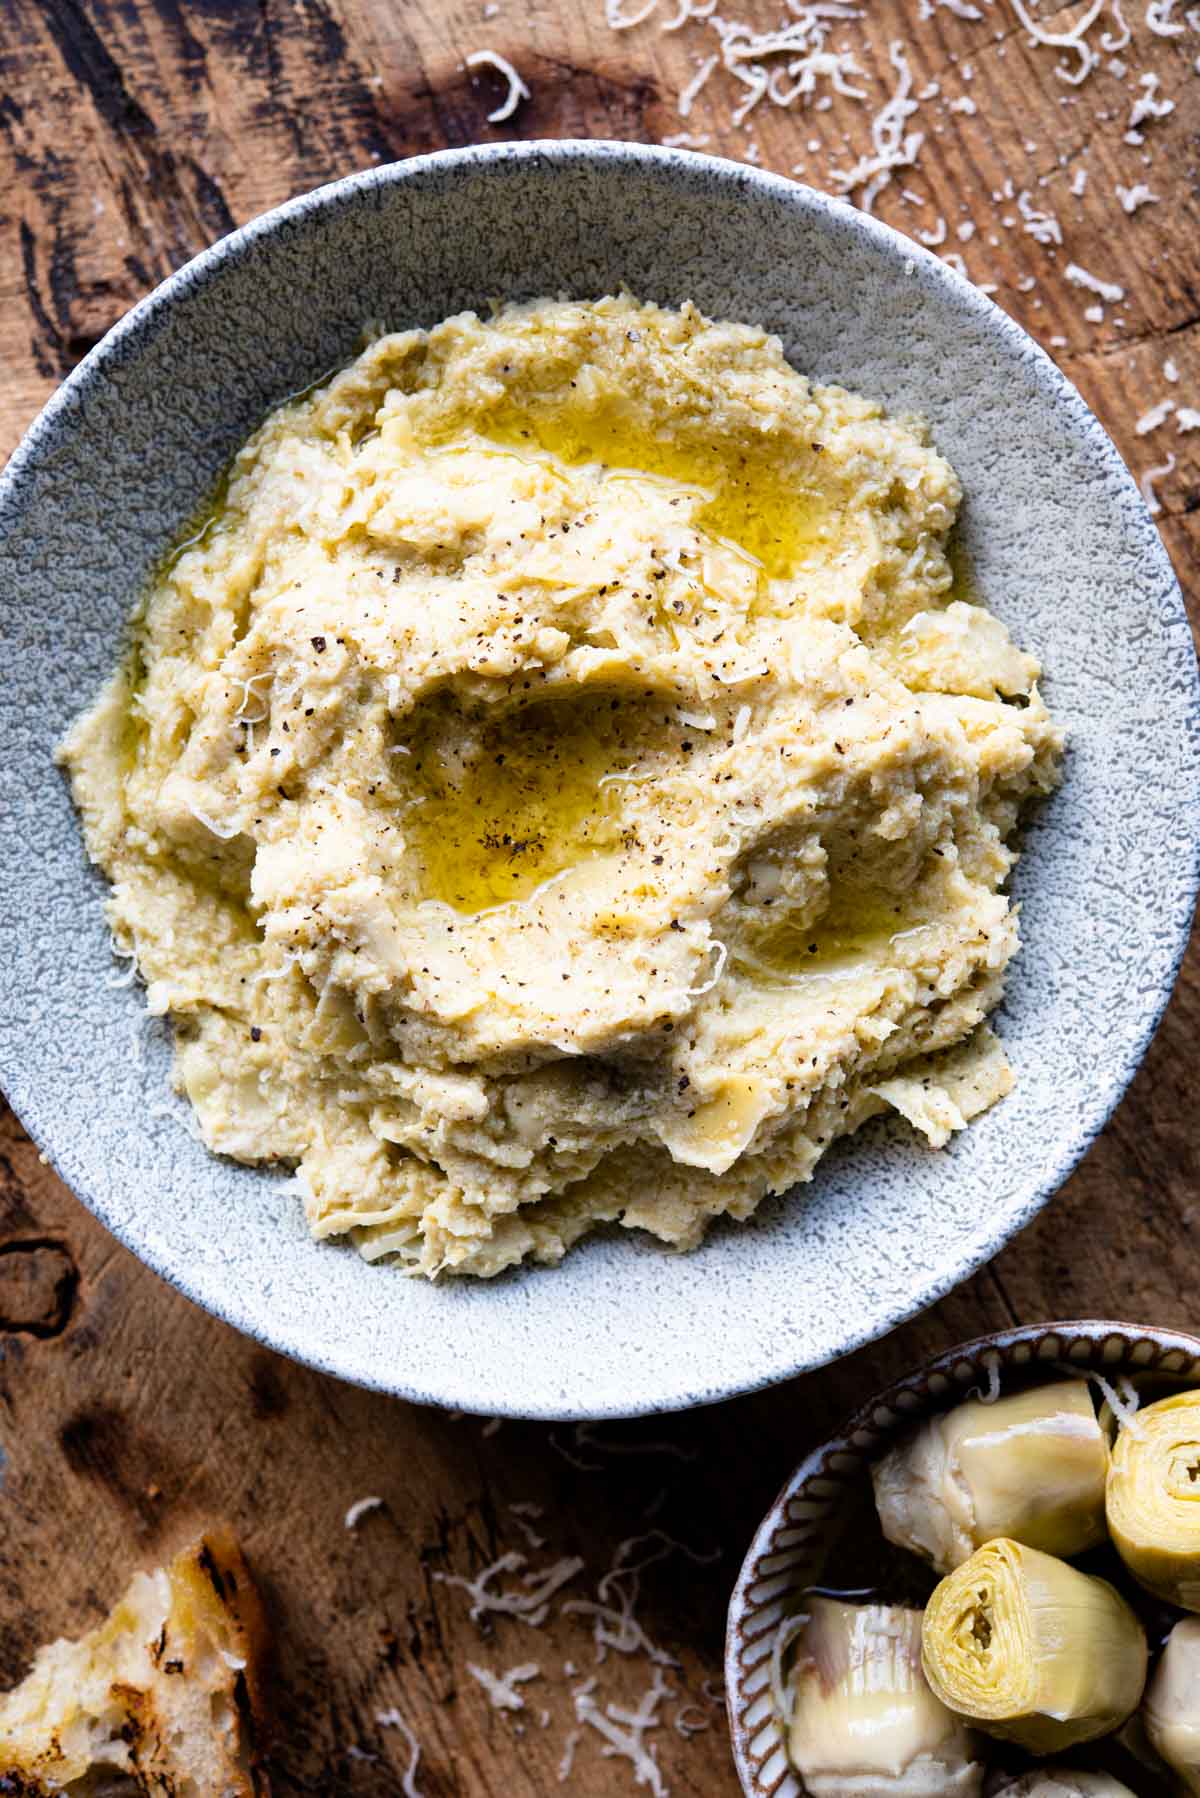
(132, 133)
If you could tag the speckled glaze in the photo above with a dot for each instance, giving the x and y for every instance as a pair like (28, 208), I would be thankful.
(1062, 546)
(790, 1548)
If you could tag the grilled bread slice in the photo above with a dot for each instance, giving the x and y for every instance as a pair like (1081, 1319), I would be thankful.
(161, 1698)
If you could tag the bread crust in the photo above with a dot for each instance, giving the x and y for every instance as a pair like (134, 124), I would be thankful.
(166, 1696)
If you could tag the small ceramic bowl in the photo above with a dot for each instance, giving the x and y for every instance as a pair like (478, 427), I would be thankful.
(831, 1488)
(1059, 542)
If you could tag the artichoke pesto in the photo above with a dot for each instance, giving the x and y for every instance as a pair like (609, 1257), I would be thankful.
(562, 784)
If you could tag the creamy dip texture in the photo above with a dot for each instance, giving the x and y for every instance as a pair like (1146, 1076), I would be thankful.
(558, 784)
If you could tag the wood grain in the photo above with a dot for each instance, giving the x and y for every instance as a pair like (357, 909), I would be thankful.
(132, 133)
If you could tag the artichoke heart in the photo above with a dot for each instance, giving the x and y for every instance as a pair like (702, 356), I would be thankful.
(1171, 1712)
(1033, 1650)
(1065, 1782)
(1153, 1498)
(864, 1721)
(1031, 1467)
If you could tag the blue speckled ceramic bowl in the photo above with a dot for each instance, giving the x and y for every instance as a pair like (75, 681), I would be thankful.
(1061, 545)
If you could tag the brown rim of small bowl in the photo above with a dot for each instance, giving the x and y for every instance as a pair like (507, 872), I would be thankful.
(789, 1543)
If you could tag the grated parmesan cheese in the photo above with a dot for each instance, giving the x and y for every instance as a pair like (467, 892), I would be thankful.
(250, 691)
(782, 1698)
(1157, 415)
(894, 147)
(613, 1610)
(706, 986)
(568, 1756)
(687, 98)
(1105, 290)
(1075, 38)
(1043, 227)
(1187, 419)
(1148, 105)
(501, 1688)
(585, 1437)
(359, 1510)
(693, 1725)
(122, 954)
(224, 831)
(624, 1731)
(531, 1607)
(1147, 481)
(523, 1512)
(1108, 42)
(1122, 1400)
(1133, 197)
(1170, 370)
(517, 90)
(391, 1719)
(991, 1365)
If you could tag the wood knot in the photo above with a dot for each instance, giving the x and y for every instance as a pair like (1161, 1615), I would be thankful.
(38, 1283)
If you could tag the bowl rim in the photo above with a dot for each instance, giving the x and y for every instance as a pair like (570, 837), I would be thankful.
(901, 254)
(843, 1457)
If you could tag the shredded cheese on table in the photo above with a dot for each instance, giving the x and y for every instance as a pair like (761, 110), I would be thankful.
(624, 1731)
(615, 1624)
(585, 1433)
(1157, 415)
(501, 1688)
(1079, 277)
(359, 1510)
(617, 19)
(1137, 195)
(532, 1606)
(1075, 38)
(1148, 106)
(517, 90)
(523, 1513)
(568, 1755)
(688, 96)
(1147, 481)
(894, 147)
(391, 1719)
(1043, 227)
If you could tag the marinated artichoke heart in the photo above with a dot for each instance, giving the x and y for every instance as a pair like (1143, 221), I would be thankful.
(1064, 1782)
(1171, 1712)
(864, 1721)
(1031, 1649)
(1031, 1467)
(1153, 1498)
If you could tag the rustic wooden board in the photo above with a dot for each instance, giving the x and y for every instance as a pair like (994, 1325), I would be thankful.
(133, 132)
